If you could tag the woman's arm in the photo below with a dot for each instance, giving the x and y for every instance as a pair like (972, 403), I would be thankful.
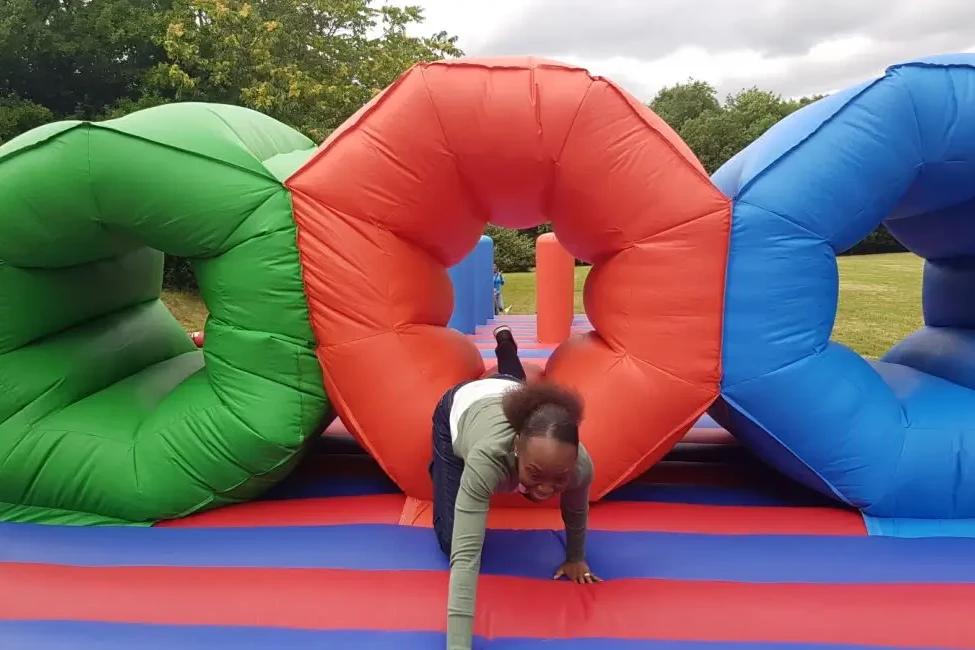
(575, 510)
(477, 483)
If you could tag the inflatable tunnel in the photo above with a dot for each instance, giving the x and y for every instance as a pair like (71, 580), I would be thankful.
(893, 437)
(324, 271)
(405, 188)
(108, 411)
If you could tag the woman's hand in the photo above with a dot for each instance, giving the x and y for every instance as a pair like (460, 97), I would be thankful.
(576, 572)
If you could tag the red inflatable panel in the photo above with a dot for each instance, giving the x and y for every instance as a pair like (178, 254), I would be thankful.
(404, 189)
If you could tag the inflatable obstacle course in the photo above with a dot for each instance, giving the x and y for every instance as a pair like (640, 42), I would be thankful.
(111, 416)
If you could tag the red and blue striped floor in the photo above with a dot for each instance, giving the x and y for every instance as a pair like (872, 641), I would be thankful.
(709, 550)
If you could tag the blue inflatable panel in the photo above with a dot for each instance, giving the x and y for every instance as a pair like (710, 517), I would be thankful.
(898, 527)
(463, 279)
(484, 280)
(894, 438)
(84, 635)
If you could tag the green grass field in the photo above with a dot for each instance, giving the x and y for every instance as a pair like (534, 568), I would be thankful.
(880, 300)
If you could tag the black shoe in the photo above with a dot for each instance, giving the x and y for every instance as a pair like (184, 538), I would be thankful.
(503, 336)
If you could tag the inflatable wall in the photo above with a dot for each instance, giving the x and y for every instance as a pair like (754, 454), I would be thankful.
(891, 437)
(108, 411)
(326, 273)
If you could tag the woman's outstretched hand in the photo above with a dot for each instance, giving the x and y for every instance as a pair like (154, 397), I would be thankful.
(576, 572)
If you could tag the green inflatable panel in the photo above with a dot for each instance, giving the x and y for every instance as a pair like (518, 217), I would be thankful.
(108, 412)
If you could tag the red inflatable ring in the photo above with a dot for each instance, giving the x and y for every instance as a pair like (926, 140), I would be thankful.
(404, 189)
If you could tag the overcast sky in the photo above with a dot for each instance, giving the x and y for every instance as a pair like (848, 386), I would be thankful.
(793, 47)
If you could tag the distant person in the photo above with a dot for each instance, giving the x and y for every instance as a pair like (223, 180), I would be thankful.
(497, 435)
(498, 298)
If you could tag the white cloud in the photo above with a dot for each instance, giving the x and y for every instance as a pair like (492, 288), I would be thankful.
(788, 46)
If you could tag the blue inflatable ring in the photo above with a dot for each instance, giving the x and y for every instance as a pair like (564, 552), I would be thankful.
(895, 437)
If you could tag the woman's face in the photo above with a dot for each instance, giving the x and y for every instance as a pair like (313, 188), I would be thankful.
(545, 466)
(495, 268)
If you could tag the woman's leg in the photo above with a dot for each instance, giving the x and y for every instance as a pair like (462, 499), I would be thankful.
(507, 353)
(445, 470)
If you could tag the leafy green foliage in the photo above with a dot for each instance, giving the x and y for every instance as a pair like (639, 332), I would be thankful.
(76, 58)
(307, 63)
(513, 250)
(18, 115)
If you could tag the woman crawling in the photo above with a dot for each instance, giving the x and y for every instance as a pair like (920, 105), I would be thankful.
(497, 435)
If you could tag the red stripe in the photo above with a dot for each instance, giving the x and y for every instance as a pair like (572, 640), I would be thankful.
(889, 615)
(691, 518)
(612, 516)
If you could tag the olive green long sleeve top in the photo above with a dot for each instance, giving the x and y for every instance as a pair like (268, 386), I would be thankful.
(485, 441)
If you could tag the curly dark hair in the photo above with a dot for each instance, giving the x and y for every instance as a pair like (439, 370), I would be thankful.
(544, 409)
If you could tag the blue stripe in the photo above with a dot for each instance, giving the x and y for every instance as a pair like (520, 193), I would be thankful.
(524, 553)
(905, 527)
(83, 635)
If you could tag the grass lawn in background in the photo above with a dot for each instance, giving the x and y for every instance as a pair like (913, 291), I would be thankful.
(880, 300)
(187, 307)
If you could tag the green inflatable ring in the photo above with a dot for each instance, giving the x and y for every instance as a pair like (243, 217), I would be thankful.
(108, 413)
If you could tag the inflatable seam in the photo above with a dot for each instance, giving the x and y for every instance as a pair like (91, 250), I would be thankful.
(784, 218)
(788, 152)
(90, 183)
(897, 78)
(483, 213)
(817, 351)
(688, 422)
(240, 140)
(40, 143)
(572, 125)
(782, 445)
(221, 251)
(234, 412)
(698, 170)
(651, 237)
(928, 64)
(196, 154)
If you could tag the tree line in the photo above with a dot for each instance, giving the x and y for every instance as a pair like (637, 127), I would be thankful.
(308, 63)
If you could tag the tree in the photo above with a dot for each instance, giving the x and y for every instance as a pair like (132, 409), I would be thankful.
(716, 132)
(18, 115)
(677, 105)
(76, 58)
(513, 250)
(308, 63)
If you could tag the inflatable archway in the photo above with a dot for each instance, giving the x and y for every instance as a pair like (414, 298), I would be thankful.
(405, 188)
(892, 437)
(107, 412)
